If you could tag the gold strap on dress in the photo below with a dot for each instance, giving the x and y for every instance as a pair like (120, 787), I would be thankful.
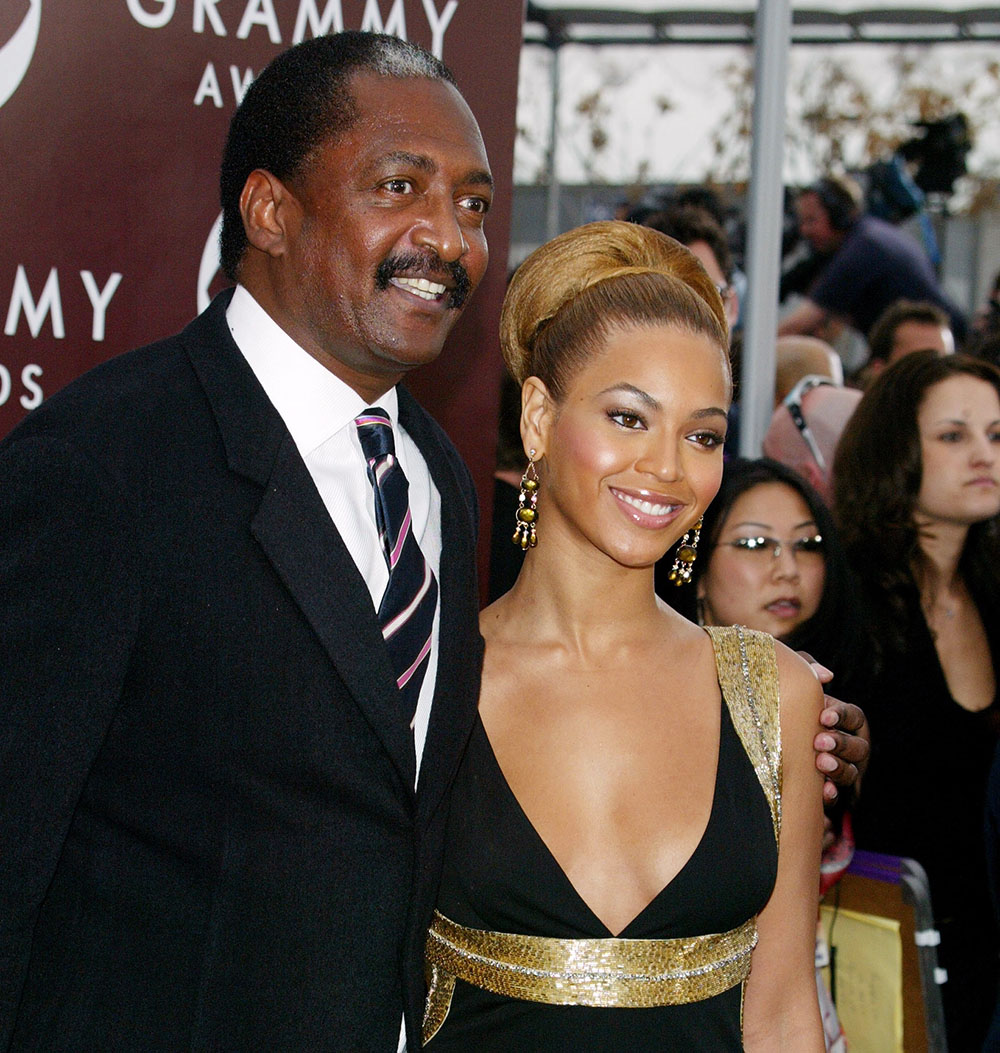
(593, 972)
(748, 676)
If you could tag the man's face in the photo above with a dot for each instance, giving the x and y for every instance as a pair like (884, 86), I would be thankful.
(814, 223)
(710, 262)
(920, 336)
(385, 241)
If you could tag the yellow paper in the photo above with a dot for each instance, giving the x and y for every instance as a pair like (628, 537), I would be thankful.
(869, 968)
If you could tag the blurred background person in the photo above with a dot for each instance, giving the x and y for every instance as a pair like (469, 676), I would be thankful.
(917, 497)
(803, 356)
(904, 327)
(769, 559)
(806, 427)
(907, 326)
(868, 265)
(696, 228)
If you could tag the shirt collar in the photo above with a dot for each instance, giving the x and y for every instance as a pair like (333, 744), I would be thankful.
(313, 402)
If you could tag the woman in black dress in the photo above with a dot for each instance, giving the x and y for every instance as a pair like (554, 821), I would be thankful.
(917, 494)
(634, 835)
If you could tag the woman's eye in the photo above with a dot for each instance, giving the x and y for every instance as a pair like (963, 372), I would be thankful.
(708, 439)
(632, 421)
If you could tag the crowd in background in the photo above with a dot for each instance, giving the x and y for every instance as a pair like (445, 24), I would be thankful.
(867, 536)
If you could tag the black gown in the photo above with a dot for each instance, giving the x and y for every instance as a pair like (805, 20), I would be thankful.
(923, 797)
(500, 876)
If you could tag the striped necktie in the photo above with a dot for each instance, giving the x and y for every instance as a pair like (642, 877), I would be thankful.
(406, 613)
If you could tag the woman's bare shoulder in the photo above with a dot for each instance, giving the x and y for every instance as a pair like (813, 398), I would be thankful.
(800, 690)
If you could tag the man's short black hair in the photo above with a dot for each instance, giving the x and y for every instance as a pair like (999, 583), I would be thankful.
(690, 223)
(300, 101)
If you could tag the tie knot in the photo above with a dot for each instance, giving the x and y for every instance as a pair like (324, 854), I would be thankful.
(375, 433)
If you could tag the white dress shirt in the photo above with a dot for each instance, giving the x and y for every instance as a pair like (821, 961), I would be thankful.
(318, 409)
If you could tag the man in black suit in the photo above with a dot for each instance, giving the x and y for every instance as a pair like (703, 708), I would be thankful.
(218, 828)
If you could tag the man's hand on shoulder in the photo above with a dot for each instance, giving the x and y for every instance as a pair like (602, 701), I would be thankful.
(842, 744)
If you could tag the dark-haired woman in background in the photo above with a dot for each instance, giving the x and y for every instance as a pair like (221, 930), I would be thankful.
(917, 498)
(769, 559)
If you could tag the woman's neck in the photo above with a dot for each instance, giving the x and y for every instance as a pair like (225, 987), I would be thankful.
(941, 546)
(579, 598)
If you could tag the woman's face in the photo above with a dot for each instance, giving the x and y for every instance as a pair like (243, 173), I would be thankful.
(959, 425)
(632, 455)
(764, 586)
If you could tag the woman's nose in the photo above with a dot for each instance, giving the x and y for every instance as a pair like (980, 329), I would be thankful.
(984, 450)
(661, 459)
(784, 563)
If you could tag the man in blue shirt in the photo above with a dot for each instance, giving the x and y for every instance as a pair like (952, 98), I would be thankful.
(871, 264)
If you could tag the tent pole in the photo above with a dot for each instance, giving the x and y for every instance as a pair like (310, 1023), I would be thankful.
(772, 39)
(552, 199)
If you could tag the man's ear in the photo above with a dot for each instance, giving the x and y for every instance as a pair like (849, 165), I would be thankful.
(537, 413)
(266, 206)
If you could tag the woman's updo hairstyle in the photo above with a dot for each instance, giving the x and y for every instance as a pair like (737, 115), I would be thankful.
(569, 294)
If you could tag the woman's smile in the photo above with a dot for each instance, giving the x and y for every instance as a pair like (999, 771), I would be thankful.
(653, 511)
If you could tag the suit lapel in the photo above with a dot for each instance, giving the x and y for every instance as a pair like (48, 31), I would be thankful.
(296, 533)
(456, 690)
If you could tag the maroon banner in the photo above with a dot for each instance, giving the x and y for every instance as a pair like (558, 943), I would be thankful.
(112, 118)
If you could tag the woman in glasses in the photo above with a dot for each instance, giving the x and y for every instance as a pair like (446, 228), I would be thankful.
(770, 559)
(917, 497)
(630, 827)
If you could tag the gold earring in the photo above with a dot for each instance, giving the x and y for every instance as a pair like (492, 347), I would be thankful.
(680, 572)
(527, 514)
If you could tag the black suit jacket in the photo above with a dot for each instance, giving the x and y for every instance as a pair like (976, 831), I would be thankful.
(209, 837)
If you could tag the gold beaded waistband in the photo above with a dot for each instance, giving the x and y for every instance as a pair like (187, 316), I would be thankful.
(593, 972)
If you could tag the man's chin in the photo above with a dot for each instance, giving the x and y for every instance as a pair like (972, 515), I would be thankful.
(418, 344)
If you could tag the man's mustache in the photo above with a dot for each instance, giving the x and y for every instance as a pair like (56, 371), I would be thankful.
(431, 267)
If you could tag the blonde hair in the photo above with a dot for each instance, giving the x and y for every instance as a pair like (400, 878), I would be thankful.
(569, 294)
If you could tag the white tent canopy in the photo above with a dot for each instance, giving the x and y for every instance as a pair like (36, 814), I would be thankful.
(556, 22)
(771, 27)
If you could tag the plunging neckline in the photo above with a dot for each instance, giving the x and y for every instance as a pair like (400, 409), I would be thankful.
(564, 877)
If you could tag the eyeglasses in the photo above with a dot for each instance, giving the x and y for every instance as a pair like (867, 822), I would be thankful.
(800, 546)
